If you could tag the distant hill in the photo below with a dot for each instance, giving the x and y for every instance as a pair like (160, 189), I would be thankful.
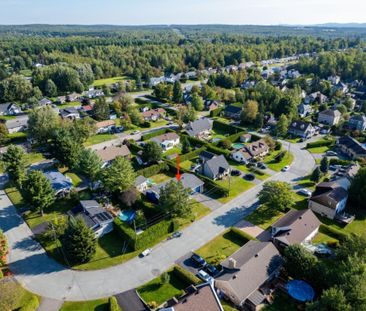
(342, 25)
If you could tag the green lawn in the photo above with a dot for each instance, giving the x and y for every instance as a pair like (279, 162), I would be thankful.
(76, 180)
(322, 149)
(160, 178)
(5, 118)
(221, 247)
(264, 216)
(277, 166)
(188, 164)
(306, 182)
(34, 157)
(175, 150)
(100, 138)
(237, 186)
(13, 296)
(243, 168)
(228, 306)
(108, 81)
(323, 238)
(19, 136)
(94, 305)
(156, 291)
(68, 105)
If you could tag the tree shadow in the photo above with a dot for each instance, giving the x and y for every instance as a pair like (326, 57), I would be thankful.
(234, 215)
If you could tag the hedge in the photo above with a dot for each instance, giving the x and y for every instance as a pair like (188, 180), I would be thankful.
(234, 137)
(320, 143)
(31, 305)
(142, 101)
(336, 161)
(335, 233)
(152, 170)
(227, 128)
(133, 146)
(113, 304)
(185, 275)
(156, 99)
(243, 235)
(155, 133)
(191, 155)
(211, 147)
(144, 239)
(256, 171)
(218, 150)
(216, 112)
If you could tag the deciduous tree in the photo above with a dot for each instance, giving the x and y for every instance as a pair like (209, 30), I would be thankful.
(277, 195)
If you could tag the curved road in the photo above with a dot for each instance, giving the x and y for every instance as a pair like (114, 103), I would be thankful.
(42, 275)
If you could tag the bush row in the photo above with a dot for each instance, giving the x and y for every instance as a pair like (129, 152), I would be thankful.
(210, 147)
(320, 143)
(242, 235)
(113, 304)
(335, 233)
(31, 305)
(152, 170)
(336, 161)
(155, 98)
(155, 133)
(147, 237)
(133, 146)
(226, 128)
(185, 276)
(191, 155)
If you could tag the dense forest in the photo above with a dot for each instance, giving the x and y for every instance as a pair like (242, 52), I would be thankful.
(72, 57)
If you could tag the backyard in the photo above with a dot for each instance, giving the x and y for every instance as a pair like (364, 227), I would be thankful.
(271, 162)
(237, 186)
(99, 138)
(264, 216)
(109, 81)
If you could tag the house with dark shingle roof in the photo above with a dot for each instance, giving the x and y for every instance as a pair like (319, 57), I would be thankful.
(247, 274)
(233, 112)
(301, 129)
(296, 227)
(70, 113)
(201, 297)
(216, 168)
(328, 199)
(256, 149)
(351, 147)
(108, 154)
(60, 183)
(9, 109)
(357, 122)
(200, 128)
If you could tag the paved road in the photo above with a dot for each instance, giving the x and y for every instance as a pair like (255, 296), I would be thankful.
(42, 275)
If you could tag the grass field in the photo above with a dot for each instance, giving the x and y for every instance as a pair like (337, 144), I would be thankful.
(159, 292)
(221, 247)
(160, 178)
(264, 216)
(68, 105)
(100, 138)
(277, 166)
(94, 305)
(322, 149)
(237, 186)
(76, 180)
(108, 81)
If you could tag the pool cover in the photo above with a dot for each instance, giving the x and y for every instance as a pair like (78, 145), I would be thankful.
(300, 290)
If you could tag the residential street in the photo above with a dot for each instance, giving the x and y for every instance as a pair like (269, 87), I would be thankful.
(43, 276)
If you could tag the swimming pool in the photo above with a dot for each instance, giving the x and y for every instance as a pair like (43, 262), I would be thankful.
(127, 216)
(238, 145)
(300, 290)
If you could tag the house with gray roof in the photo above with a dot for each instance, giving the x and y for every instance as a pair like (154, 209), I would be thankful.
(357, 123)
(233, 112)
(167, 141)
(329, 199)
(108, 154)
(296, 227)
(44, 102)
(94, 216)
(70, 113)
(60, 183)
(351, 147)
(216, 168)
(248, 273)
(329, 117)
(19, 124)
(200, 128)
(9, 109)
(303, 129)
(141, 183)
(304, 110)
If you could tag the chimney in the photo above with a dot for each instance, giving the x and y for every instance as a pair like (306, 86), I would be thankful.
(232, 263)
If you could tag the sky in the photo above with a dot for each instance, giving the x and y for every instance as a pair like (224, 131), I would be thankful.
(148, 12)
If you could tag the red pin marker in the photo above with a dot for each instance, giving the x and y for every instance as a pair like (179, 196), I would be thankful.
(178, 168)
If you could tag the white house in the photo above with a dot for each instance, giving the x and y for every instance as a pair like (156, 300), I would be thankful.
(167, 141)
(330, 117)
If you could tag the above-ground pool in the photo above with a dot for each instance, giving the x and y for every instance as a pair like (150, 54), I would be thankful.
(127, 216)
(300, 290)
(238, 145)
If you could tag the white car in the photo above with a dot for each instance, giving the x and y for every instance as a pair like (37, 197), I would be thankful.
(305, 192)
(204, 276)
(146, 252)
(286, 168)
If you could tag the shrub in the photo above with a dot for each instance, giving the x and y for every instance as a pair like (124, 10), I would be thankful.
(146, 124)
(185, 275)
(225, 144)
(31, 305)
(280, 156)
(133, 146)
(113, 304)
(242, 235)
(226, 128)
(191, 155)
(336, 161)
(335, 233)
(234, 137)
(217, 150)
(320, 143)
(215, 112)
(1, 274)
(152, 170)
(278, 145)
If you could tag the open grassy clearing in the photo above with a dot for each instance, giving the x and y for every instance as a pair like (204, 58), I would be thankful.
(109, 81)
(264, 216)
(99, 138)
(237, 186)
(94, 305)
(271, 162)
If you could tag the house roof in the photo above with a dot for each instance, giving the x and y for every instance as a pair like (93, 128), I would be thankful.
(297, 225)
(153, 112)
(358, 118)
(218, 165)
(4, 107)
(66, 111)
(140, 180)
(167, 136)
(254, 263)
(17, 122)
(105, 123)
(200, 298)
(196, 127)
(257, 147)
(58, 180)
(329, 194)
(233, 109)
(331, 113)
(207, 155)
(110, 153)
(300, 125)
(353, 144)
(92, 213)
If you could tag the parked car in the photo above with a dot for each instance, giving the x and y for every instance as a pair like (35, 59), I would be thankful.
(212, 270)
(146, 252)
(235, 173)
(135, 132)
(286, 168)
(177, 234)
(331, 153)
(198, 260)
(261, 165)
(204, 276)
(305, 192)
(249, 177)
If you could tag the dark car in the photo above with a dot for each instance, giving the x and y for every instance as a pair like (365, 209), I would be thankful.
(261, 165)
(198, 260)
(249, 177)
(211, 270)
(235, 173)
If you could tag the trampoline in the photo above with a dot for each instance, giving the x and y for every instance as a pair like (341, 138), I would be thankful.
(300, 290)
(127, 216)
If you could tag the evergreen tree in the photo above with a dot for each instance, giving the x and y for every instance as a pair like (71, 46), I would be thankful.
(316, 175)
(324, 165)
(197, 102)
(50, 88)
(152, 152)
(186, 146)
(282, 126)
(38, 191)
(101, 109)
(90, 164)
(78, 242)
(14, 162)
(3, 134)
(177, 92)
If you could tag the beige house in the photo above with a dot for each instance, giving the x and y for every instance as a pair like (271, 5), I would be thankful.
(108, 154)
(329, 117)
